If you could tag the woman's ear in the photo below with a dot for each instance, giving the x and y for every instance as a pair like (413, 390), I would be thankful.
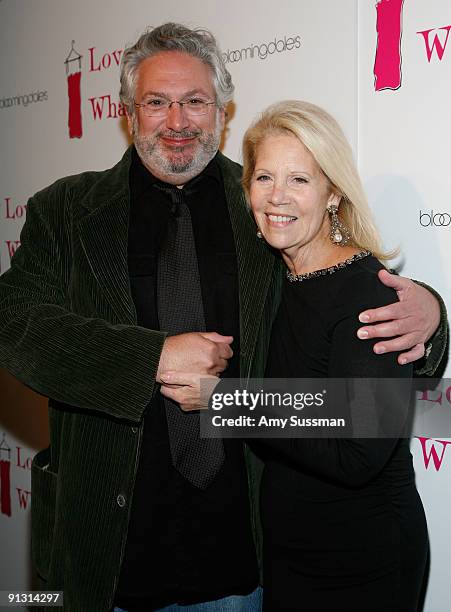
(334, 200)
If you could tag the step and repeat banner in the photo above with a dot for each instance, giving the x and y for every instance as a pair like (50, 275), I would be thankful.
(378, 67)
(403, 135)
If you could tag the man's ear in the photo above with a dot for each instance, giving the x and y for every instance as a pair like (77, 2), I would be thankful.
(222, 117)
(129, 123)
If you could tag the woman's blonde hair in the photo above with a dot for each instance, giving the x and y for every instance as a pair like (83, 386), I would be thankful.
(322, 136)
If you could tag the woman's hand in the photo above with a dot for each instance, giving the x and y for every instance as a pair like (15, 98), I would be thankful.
(190, 390)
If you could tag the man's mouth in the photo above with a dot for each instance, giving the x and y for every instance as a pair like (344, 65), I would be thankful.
(178, 140)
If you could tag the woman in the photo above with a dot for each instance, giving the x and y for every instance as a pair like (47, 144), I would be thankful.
(343, 525)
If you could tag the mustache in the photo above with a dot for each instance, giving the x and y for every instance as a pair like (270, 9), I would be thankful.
(182, 134)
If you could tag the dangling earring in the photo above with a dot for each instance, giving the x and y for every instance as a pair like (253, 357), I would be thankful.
(259, 234)
(339, 233)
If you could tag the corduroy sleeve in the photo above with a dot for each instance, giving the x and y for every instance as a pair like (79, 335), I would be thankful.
(83, 361)
(437, 344)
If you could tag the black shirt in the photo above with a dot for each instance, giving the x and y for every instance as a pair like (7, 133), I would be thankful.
(185, 545)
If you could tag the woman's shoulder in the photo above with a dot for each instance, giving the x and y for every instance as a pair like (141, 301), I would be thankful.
(369, 265)
(360, 288)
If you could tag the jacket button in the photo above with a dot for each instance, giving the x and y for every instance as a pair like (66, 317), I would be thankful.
(120, 501)
(134, 429)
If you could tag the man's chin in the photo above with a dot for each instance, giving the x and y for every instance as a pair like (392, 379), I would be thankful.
(175, 173)
(179, 165)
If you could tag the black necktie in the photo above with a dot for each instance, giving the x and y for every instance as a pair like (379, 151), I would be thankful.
(180, 310)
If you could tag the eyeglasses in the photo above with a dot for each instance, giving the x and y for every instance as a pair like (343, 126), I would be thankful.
(159, 107)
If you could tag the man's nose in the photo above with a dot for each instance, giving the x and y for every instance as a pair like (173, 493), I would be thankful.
(176, 118)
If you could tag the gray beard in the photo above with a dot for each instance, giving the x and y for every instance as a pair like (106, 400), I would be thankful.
(148, 148)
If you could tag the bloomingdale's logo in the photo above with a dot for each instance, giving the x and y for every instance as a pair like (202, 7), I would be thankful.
(434, 219)
(262, 50)
(24, 99)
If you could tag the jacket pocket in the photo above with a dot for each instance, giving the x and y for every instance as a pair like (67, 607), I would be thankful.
(43, 488)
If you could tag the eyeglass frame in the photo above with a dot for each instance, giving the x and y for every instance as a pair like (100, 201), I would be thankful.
(170, 103)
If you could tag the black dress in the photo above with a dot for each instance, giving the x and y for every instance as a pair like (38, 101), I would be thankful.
(343, 524)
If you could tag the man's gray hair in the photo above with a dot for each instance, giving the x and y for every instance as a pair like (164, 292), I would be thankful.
(199, 43)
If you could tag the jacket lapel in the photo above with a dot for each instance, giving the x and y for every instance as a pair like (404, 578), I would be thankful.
(255, 262)
(103, 233)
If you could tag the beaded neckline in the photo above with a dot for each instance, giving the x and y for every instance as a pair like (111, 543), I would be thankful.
(342, 264)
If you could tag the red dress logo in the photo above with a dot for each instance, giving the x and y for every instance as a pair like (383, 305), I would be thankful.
(73, 73)
(387, 64)
(5, 478)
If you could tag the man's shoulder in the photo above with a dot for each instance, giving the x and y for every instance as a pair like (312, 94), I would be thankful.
(229, 166)
(90, 185)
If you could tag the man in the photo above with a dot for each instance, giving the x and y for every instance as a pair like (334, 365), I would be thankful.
(128, 508)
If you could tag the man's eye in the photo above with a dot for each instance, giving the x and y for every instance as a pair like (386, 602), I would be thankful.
(195, 102)
(155, 102)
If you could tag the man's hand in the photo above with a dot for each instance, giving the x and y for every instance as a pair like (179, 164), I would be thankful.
(410, 322)
(196, 352)
(191, 390)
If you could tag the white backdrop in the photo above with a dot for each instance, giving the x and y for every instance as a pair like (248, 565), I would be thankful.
(318, 50)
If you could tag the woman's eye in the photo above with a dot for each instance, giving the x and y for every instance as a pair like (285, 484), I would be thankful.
(299, 179)
(262, 178)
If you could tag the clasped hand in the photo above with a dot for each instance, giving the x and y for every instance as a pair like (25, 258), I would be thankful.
(189, 367)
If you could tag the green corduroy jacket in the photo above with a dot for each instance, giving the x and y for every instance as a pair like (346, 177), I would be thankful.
(68, 330)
